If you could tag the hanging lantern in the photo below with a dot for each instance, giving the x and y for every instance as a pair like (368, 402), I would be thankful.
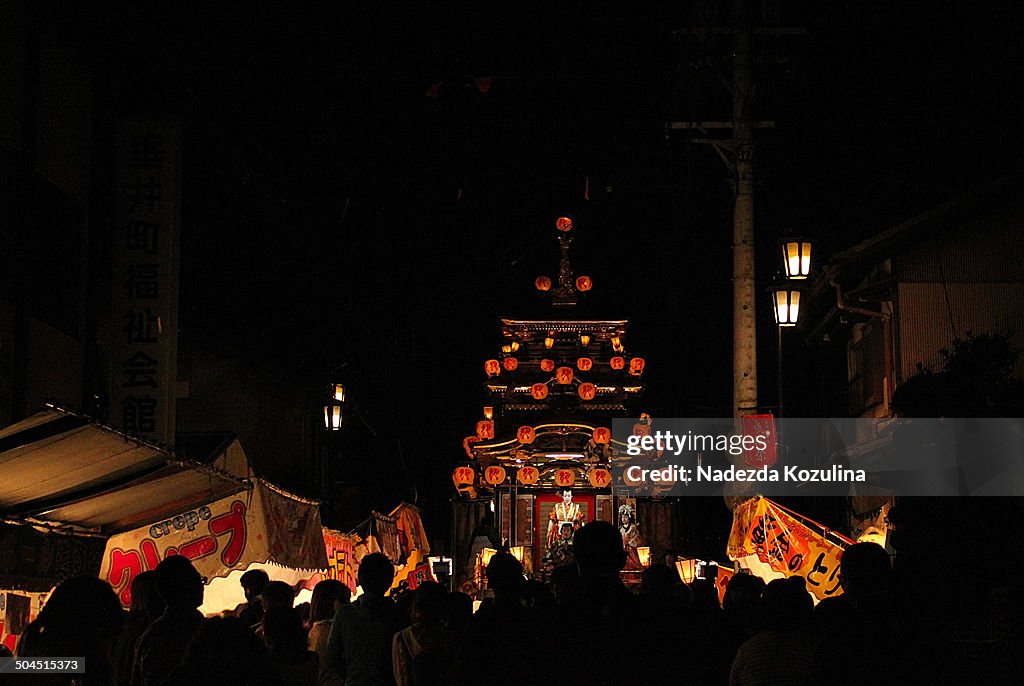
(510, 364)
(687, 569)
(549, 342)
(563, 224)
(527, 476)
(518, 552)
(584, 283)
(636, 366)
(786, 303)
(488, 412)
(584, 339)
(463, 476)
(332, 416)
(599, 477)
(507, 349)
(796, 258)
(641, 429)
(547, 365)
(542, 283)
(587, 391)
(486, 554)
(494, 475)
(564, 375)
(584, 364)
(339, 392)
(539, 391)
(617, 362)
(514, 346)
(644, 553)
(602, 435)
(616, 344)
(492, 367)
(485, 429)
(565, 478)
(526, 434)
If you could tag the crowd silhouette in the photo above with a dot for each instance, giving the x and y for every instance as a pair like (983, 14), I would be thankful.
(585, 627)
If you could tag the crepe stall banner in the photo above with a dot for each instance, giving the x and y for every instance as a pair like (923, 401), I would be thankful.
(772, 543)
(261, 525)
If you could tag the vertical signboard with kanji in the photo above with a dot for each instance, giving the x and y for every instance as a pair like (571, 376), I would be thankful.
(143, 365)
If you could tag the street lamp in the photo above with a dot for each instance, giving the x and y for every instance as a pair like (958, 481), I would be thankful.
(796, 258)
(786, 304)
(332, 409)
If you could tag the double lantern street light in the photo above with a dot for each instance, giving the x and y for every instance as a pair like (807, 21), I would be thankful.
(333, 416)
(796, 259)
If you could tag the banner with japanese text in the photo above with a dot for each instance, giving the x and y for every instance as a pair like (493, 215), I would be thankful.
(147, 215)
(341, 560)
(763, 532)
(228, 534)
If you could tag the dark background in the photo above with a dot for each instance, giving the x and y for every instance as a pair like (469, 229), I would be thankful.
(337, 214)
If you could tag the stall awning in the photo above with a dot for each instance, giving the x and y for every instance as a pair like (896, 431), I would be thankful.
(61, 469)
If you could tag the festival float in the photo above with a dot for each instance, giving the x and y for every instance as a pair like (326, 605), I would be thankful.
(538, 464)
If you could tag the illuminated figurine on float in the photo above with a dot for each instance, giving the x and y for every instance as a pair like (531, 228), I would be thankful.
(631, 539)
(560, 552)
(565, 512)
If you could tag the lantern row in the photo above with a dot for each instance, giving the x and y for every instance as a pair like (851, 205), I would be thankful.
(510, 364)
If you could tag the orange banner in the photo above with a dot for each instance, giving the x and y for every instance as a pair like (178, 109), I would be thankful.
(780, 541)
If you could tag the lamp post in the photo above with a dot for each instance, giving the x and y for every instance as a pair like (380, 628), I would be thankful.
(796, 262)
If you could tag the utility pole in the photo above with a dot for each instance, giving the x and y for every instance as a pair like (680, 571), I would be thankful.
(738, 153)
(744, 322)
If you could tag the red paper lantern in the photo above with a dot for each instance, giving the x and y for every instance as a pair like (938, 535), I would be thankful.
(485, 429)
(547, 365)
(492, 367)
(602, 435)
(463, 476)
(526, 434)
(565, 478)
(584, 364)
(510, 364)
(587, 391)
(527, 476)
(636, 366)
(539, 391)
(564, 375)
(494, 475)
(563, 224)
(599, 477)
(584, 283)
(617, 362)
(542, 283)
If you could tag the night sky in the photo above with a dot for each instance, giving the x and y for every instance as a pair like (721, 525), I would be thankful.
(335, 212)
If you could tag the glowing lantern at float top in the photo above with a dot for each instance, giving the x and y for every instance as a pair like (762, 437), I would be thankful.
(636, 366)
(526, 434)
(547, 365)
(564, 375)
(584, 364)
(584, 283)
(587, 391)
(549, 342)
(494, 475)
(617, 362)
(542, 283)
(602, 435)
(485, 429)
(527, 476)
(510, 364)
(492, 367)
(539, 391)
(563, 224)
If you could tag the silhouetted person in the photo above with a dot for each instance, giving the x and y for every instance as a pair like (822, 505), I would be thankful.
(252, 583)
(328, 597)
(784, 653)
(81, 618)
(277, 594)
(224, 652)
(285, 639)
(147, 605)
(359, 647)
(162, 646)
(424, 654)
